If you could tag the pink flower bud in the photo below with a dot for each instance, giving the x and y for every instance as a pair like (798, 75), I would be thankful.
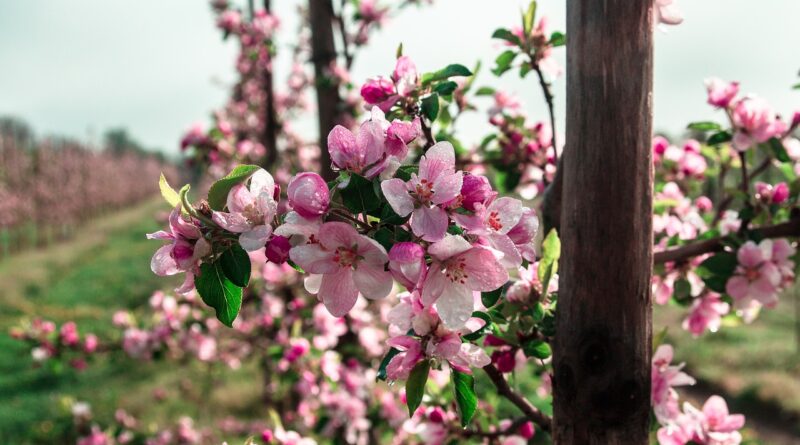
(407, 263)
(90, 343)
(436, 415)
(475, 189)
(69, 334)
(504, 360)
(527, 430)
(491, 340)
(780, 193)
(721, 93)
(660, 145)
(308, 195)
(795, 119)
(703, 204)
(267, 435)
(377, 90)
(278, 249)
(405, 75)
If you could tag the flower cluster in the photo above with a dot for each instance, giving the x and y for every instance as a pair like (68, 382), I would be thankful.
(763, 271)
(48, 342)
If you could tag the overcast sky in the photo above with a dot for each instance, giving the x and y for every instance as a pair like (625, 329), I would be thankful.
(77, 67)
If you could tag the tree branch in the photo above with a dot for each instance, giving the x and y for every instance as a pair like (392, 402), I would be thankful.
(787, 229)
(530, 411)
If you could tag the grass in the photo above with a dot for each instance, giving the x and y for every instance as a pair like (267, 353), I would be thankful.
(104, 268)
(757, 366)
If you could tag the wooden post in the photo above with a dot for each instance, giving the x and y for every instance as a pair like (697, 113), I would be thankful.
(323, 52)
(603, 342)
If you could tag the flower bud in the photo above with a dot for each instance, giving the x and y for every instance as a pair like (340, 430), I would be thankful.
(377, 90)
(721, 93)
(475, 189)
(277, 250)
(527, 430)
(504, 360)
(407, 263)
(308, 195)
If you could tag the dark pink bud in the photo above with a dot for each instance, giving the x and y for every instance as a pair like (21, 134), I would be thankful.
(527, 430)
(780, 193)
(660, 145)
(277, 250)
(267, 435)
(491, 340)
(504, 360)
(703, 204)
(436, 415)
(692, 145)
(377, 90)
(475, 189)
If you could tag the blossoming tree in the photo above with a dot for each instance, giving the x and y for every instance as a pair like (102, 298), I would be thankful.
(415, 261)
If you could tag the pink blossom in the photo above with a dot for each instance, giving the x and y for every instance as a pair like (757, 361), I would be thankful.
(230, 21)
(379, 91)
(755, 122)
(96, 437)
(523, 234)
(493, 223)
(422, 196)
(405, 75)
(184, 252)
(664, 377)
(720, 92)
(250, 211)
(475, 189)
(277, 249)
(407, 263)
(90, 343)
(69, 334)
(357, 153)
(401, 364)
(458, 270)
(772, 194)
(308, 195)
(348, 262)
(667, 13)
(717, 425)
(194, 136)
(706, 314)
(759, 277)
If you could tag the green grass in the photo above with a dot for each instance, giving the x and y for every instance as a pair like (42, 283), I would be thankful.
(757, 366)
(103, 269)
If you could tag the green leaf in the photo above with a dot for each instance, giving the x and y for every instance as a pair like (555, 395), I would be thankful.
(388, 216)
(558, 39)
(716, 283)
(503, 62)
(446, 73)
(430, 107)
(489, 299)
(445, 88)
(485, 91)
(466, 399)
(506, 35)
(796, 86)
(778, 150)
(219, 292)
(218, 193)
(507, 181)
(405, 171)
(235, 264)
(415, 385)
(719, 137)
(399, 53)
(385, 362)
(528, 18)
(722, 264)
(537, 348)
(359, 195)
(524, 69)
(385, 237)
(704, 126)
(537, 312)
(548, 265)
(169, 194)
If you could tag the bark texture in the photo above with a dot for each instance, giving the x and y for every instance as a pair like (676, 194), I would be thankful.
(323, 52)
(603, 342)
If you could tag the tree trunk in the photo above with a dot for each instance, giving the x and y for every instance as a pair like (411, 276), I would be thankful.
(270, 136)
(603, 343)
(323, 52)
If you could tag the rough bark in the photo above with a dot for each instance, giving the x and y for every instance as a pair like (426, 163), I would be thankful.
(323, 52)
(602, 349)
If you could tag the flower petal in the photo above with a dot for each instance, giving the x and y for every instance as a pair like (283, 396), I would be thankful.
(439, 159)
(162, 263)
(430, 223)
(256, 238)
(338, 292)
(232, 222)
(455, 305)
(373, 283)
(314, 259)
(396, 193)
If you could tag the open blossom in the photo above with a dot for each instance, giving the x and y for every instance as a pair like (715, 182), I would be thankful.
(424, 194)
(706, 314)
(250, 211)
(755, 122)
(492, 223)
(664, 376)
(763, 270)
(720, 92)
(357, 153)
(713, 425)
(348, 263)
(187, 246)
(458, 270)
(667, 13)
(308, 195)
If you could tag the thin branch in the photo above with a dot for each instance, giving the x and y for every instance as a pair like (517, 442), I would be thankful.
(530, 411)
(548, 97)
(682, 253)
(348, 56)
(510, 430)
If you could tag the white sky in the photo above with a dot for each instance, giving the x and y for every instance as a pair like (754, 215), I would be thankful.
(77, 67)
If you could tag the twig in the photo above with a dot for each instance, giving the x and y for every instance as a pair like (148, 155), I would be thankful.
(530, 411)
(548, 97)
(682, 253)
(511, 429)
